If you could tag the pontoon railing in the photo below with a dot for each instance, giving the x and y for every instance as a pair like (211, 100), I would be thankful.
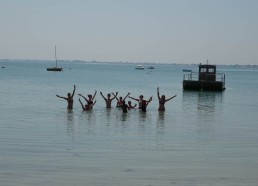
(194, 76)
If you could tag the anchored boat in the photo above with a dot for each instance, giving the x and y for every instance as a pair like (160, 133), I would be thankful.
(206, 79)
(139, 67)
(55, 68)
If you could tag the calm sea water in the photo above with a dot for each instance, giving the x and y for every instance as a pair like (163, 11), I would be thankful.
(203, 138)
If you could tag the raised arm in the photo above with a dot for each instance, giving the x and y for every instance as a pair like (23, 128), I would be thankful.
(74, 87)
(133, 98)
(126, 96)
(92, 105)
(114, 96)
(150, 99)
(134, 105)
(147, 102)
(170, 98)
(61, 97)
(158, 93)
(94, 95)
(102, 96)
(83, 97)
(81, 104)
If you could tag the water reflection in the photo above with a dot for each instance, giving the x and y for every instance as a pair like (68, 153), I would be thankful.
(70, 123)
(108, 116)
(160, 125)
(142, 116)
(203, 109)
(87, 122)
(205, 104)
(124, 117)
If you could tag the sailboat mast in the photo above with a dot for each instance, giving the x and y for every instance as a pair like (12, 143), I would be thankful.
(55, 56)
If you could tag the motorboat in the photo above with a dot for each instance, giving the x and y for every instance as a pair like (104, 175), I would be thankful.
(139, 67)
(150, 67)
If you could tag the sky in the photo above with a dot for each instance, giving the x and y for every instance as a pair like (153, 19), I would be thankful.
(155, 31)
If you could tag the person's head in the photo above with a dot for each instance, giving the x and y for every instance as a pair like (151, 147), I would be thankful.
(129, 102)
(163, 97)
(123, 102)
(69, 95)
(120, 98)
(89, 96)
(108, 95)
(141, 96)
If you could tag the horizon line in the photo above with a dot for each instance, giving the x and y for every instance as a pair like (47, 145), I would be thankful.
(121, 62)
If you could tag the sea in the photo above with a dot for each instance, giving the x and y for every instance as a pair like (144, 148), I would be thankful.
(203, 138)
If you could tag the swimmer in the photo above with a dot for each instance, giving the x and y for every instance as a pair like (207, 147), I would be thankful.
(163, 100)
(108, 100)
(69, 98)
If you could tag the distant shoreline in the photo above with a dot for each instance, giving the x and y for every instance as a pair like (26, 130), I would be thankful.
(119, 62)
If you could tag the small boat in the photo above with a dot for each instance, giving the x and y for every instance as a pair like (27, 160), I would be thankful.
(56, 68)
(139, 67)
(187, 70)
(206, 79)
(150, 67)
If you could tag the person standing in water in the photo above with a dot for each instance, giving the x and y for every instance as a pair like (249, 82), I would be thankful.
(124, 107)
(120, 100)
(87, 107)
(139, 100)
(69, 98)
(108, 100)
(130, 106)
(163, 100)
(145, 104)
(90, 98)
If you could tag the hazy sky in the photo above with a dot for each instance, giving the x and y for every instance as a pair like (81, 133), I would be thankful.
(161, 31)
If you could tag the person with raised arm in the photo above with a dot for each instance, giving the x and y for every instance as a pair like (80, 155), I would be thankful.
(108, 100)
(139, 100)
(120, 100)
(69, 98)
(87, 107)
(163, 100)
(145, 103)
(90, 98)
(130, 106)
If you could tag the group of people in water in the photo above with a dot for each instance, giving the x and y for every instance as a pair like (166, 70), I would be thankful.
(90, 102)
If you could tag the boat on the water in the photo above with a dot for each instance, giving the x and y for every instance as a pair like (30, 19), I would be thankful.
(150, 67)
(55, 68)
(187, 70)
(206, 79)
(139, 67)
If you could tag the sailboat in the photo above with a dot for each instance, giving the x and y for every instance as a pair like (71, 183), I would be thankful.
(56, 68)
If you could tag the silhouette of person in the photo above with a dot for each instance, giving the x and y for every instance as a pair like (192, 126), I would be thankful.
(87, 107)
(120, 100)
(163, 100)
(124, 107)
(108, 100)
(69, 98)
(140, 100)
(130, 106)
(145, 103)
(90, 98)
